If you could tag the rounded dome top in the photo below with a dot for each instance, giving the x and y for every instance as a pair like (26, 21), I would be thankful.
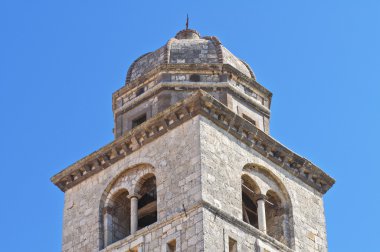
(187, 47)
(188, 34)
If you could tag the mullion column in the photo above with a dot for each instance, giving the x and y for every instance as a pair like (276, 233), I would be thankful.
(262, 223)
(134, 212)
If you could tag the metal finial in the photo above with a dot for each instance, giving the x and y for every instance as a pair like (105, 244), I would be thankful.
(187, 21)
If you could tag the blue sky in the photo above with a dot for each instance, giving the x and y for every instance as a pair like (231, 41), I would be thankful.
(60, 61)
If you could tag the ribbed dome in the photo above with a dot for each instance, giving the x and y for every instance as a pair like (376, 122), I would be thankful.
(187, 47)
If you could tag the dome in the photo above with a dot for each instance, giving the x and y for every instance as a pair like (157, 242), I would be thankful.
(187, 47)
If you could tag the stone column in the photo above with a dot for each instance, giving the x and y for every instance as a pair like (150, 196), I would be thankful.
(107, 217)
(134, 215)
(261, 213)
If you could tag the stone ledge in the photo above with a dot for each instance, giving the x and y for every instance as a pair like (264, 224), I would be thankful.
(258, 140)
(219, 68)
(191, 86)
(129, 142)
(200, 103)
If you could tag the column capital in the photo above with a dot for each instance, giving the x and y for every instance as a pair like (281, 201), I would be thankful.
(130, 196)
(261, 197)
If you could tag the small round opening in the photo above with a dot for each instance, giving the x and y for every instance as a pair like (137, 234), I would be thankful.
(195, 78)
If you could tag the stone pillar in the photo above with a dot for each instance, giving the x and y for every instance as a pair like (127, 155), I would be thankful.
(107, 218)
(261, 213)
(134, 211)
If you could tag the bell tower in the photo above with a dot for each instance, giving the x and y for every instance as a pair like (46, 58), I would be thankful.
(193, 166)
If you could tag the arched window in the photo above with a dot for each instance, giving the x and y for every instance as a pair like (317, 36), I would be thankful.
(147, 203)
(272, 201)
(127, 205)
(116, 217)
(250, 190)
(275, 216)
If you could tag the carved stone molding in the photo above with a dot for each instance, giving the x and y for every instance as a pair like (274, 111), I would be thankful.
(200, 103)
(213, 68)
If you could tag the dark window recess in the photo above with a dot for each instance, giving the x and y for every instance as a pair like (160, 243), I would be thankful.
(140, 91)
(171, 246)
(249, 210)
(147, 198)
(195, 78)
(232, 245)
(147, 204)
(249, 119)
(248, 91)
(139, 120)
(147, 220)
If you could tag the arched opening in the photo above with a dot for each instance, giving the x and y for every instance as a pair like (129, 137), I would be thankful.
(275, 216)
(117, 217)
(250, 190)
(278, 213)
(118, 206)
(147, 204)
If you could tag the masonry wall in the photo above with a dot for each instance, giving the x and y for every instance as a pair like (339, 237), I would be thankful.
(241, 108)
(222, 160)
(198, 169)
(185, 230)
(155, 105)
(176, 161)
(219, 229)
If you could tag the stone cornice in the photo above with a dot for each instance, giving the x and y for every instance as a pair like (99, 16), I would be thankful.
(197, 68)
(191, 86)
(203, 104)
(128, 143)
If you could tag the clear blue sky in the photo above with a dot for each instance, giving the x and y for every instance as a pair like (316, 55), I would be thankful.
(60, 61)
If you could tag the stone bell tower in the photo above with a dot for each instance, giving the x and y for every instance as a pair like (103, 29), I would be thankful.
(193, 166)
